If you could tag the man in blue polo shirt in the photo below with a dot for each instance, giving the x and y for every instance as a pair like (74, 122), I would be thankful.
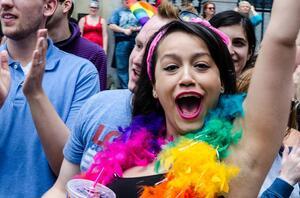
(32, 70)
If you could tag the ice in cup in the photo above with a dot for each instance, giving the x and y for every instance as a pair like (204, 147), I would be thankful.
(82, 188)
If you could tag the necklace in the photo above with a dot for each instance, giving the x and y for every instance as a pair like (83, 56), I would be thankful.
(193, 161)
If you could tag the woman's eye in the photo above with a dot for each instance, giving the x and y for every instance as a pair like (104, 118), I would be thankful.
(170, 67)
(138, 46)
(201, 66)
(239, 43)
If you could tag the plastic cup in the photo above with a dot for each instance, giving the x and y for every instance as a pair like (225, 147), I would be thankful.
(82, 188)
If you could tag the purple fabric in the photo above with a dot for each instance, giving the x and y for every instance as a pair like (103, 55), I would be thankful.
(153, 123)
(83, 48)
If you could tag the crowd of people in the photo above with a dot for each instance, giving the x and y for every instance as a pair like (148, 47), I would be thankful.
(200, 113)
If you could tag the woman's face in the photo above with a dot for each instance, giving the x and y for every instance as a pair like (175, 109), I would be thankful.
(210, 10)
(94, 11)
(187, 82)
(238, 47)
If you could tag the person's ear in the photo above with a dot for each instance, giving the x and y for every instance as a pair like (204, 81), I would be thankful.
(67, 6)
(222, 89)
(249, 55)
(49, 7)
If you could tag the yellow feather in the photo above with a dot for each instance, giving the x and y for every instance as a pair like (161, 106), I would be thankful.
(194, 166)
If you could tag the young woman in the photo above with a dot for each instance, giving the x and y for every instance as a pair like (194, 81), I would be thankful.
(242, 36)
(182, 103)
(93, 27)
(181, 109)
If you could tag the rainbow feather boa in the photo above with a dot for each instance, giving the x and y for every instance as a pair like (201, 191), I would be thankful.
(193, 160)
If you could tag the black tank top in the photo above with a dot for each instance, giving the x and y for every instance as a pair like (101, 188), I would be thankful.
(132, 187)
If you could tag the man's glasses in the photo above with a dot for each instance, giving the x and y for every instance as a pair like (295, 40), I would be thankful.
(211, 8)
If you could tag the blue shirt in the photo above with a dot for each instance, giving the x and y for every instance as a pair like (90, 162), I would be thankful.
(271, 183)
(68, 82)
(256, 20)
(279, 189)
(97, 123)
(123, 18)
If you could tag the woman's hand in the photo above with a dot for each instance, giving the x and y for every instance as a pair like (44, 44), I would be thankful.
(290, 166)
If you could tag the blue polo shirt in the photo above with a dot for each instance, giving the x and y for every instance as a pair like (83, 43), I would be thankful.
(68, 82)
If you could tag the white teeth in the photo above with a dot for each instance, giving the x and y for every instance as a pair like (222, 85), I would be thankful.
(189, 95)
(8, 16)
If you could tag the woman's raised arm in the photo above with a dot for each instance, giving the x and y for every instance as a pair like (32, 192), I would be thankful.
(267, 104)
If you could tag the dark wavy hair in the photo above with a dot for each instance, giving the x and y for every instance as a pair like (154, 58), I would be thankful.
(144, 102)
(229, 18)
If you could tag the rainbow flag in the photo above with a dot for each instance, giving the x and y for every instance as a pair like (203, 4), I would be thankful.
(143, 11)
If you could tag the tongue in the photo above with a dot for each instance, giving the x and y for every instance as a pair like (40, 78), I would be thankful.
(189, 106)
(188, 109)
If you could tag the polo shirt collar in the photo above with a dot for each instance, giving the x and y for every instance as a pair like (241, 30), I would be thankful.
(51, 57)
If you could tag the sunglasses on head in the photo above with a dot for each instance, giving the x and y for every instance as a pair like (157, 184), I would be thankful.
(187, 16)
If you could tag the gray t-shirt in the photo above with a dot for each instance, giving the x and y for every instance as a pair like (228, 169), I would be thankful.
(97, 123)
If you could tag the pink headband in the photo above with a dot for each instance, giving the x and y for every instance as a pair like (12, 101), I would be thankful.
(158, 37)
(205, 23)
(151, 50)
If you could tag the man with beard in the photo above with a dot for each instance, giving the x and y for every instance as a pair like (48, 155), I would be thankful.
(32, 68)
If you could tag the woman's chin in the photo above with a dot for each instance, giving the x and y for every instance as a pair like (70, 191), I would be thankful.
(191, 127)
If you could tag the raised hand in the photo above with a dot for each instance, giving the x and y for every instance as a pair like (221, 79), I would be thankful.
(33, 82)
(290, 166)
(4, 77)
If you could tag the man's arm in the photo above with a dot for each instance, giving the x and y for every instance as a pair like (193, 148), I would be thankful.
(117, 28)
(52, 131)
(81, 25)
(68, 170)
(47, 122)
(104, 35)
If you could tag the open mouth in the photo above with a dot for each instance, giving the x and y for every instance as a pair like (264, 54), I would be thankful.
(8, 16)
(189, 105)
